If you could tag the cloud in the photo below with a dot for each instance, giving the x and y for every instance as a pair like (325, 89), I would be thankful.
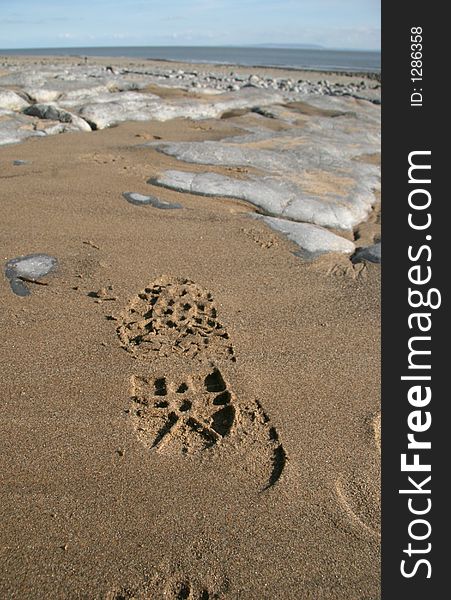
(333, 23)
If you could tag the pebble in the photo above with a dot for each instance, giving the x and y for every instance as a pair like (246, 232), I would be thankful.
(28, 268)
(141, 200)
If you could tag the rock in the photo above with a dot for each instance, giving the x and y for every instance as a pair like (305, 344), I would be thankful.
(311, 239)
(105, 96)
(277, 112)
(81, 95)
(106, 114)
(16, 128)
(28, 268)
(9, 100)
(141, 200)
(25, 78)
(306, 173)
(42, 95)
(143, 107)
(345, 104)
(52, 112)
(369, 253)
(273, 197)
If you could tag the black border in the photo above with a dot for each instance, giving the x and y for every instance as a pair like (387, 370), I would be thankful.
(406, 129)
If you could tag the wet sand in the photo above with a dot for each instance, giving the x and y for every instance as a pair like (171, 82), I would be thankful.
(107, 495)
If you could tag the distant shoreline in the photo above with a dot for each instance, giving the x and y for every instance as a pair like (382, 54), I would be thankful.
(328, 71)
(317, 60)
(372, 75)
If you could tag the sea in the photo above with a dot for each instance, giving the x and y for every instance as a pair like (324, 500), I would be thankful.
(288, 58)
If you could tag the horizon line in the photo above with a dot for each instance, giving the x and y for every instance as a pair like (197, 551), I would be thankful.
(273, 45)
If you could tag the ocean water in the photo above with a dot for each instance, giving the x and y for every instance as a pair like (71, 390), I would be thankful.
(317, 59)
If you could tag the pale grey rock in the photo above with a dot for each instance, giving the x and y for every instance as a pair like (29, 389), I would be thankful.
(42, 95)
(307, 173)
(79, 92)
(369, 253)
(273, 196)
(311, 174)
(30, 268)
(311, 239)
(24, 78)
(9, 100)
(49, 127)
(227, 154)
(345, 104)
(100, 94)
(16, 128)
(143, 107)
(105, 114)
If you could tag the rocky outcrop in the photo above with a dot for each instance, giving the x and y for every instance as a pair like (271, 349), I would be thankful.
(52, 112)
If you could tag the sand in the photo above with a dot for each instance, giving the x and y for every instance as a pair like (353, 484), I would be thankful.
(279, 496)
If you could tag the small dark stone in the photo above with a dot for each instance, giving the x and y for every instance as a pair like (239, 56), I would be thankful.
(370, 254)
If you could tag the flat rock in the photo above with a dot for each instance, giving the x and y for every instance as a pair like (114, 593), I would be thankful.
(141, 200)
(16, 128)
(306, 173)
(104, 114)
(102, 95)
(274, 197)
(143, 107)
(311, 239)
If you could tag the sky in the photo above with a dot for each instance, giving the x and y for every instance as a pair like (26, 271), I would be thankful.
(353, 24)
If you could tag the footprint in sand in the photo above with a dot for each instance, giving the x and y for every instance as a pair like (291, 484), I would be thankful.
(359, 493)
(173, 315)
(195, 414)
(186, 417)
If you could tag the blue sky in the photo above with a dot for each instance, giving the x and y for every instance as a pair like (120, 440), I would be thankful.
(59, 23)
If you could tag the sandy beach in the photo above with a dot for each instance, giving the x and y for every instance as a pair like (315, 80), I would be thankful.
(191, 397)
